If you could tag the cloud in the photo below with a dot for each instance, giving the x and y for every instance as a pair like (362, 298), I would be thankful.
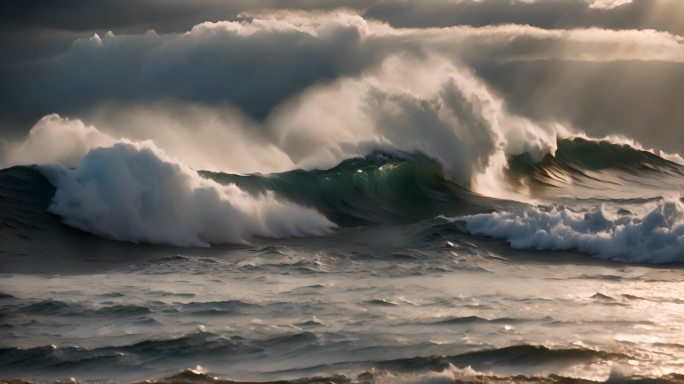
(661, 15)
(258, 63)
(607, 4)
(253, 65)
(273, 90)
(178, 15)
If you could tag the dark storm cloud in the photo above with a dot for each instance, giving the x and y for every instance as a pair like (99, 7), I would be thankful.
(34, 28)
(38, 28)
(251, 66)
(178, 15)
(161, 15)
(595, 80)
(257, 63)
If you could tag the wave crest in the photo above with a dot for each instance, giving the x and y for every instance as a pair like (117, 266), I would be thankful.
(134, 192)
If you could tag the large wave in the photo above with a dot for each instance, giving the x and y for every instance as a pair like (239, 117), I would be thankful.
(134, 192)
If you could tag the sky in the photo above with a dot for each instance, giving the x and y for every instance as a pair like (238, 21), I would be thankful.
(258, 85)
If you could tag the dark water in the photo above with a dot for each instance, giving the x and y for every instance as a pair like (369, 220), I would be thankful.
(423, 281)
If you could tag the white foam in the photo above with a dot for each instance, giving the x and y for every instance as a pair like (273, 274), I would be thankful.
(134, 192)
(656, 236)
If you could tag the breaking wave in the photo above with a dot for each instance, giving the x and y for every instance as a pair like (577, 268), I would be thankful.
(654, 237)
(134, 192)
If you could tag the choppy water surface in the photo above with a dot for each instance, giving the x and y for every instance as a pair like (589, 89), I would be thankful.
(287, 311)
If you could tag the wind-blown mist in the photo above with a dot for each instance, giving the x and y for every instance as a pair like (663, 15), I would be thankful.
(56, 140)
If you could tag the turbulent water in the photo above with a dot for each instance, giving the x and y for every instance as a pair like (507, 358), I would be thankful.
(130, 267)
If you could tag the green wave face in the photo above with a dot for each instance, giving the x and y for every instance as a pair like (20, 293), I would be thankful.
(377, 188)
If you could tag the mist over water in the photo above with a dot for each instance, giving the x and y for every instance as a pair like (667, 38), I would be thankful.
(347, 196)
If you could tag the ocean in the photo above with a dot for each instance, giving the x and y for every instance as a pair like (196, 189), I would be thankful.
(378, 270)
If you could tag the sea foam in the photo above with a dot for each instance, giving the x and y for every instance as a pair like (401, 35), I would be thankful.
(134, 192)
(656, 236)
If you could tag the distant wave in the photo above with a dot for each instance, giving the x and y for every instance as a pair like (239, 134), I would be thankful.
(577, 162)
